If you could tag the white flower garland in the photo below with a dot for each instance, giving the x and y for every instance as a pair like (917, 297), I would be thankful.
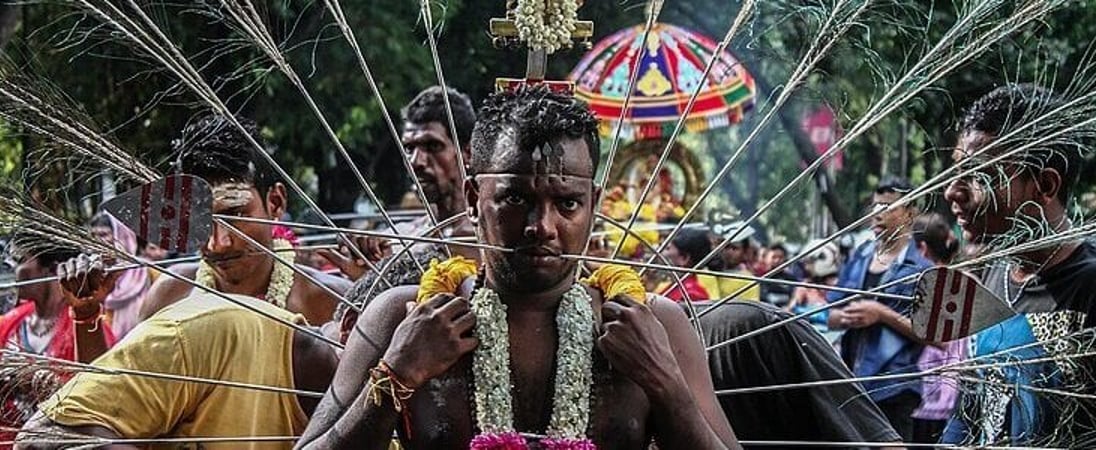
(546, 24)
(281, 280)
(574, 374)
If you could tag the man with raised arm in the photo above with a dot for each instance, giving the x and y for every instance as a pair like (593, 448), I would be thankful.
(521, 350)
(244, 185)
(1018, 192)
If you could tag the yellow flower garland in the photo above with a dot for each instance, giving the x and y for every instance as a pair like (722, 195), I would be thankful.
(445, 278)
(613, 280)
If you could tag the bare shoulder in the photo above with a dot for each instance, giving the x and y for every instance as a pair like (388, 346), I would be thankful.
(666, 309)
(169, 288)
(673, 318)
(388, 309)
(316, 301)
(373, 330)
(337, 284)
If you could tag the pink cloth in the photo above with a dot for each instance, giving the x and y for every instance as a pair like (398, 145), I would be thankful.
(939, 392)
(129, 292)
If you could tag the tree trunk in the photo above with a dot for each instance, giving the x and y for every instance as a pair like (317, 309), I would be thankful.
(789, 119)
(805, 148)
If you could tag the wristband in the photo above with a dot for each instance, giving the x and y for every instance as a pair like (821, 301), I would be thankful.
(383, 382)
(94, 318)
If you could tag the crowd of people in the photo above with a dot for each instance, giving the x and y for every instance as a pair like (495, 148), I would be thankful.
(370, 353)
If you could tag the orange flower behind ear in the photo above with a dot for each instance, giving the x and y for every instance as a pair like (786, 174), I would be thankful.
(613, 280)
(444, 277)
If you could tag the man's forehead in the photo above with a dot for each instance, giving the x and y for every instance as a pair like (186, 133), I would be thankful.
(428, 130)
(557, 180)
(232, 194)
(561, 156)
(970, 145)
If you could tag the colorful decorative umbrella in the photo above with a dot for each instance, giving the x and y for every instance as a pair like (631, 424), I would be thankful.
(671, 67)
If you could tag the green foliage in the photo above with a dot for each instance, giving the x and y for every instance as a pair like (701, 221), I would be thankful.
(11, 153)
(147, 108)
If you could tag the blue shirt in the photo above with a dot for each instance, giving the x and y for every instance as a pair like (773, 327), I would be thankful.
(879, 349)
(1055, 308)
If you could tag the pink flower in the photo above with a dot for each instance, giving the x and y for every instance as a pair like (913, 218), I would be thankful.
(567, 444)
(498, 441)
(283, 232)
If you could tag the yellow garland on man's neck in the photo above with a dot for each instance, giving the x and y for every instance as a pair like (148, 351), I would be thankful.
(613, 280)
(491, 359)
(445, 277)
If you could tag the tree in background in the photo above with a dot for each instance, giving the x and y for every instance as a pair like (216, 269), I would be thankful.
(145, 108)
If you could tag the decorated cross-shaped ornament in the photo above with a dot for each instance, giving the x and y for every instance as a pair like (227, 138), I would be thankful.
(505, 34)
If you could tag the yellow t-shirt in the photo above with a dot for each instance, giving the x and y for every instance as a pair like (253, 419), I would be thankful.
(721, 287)
(201, 336)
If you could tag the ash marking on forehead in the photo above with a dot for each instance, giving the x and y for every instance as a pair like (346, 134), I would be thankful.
(514, 156)
(232, 195)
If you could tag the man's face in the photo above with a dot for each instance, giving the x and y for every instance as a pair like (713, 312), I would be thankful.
(775, 257)
(154, 252)
(433, 156)
(734, 254)
(987, 202)
(889, 224)
(103, 234)
(541, 209)
(675, 256)
(28, 268)
(230, 255)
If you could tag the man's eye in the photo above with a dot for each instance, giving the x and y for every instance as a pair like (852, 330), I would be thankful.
(515, 200)
(570, 205)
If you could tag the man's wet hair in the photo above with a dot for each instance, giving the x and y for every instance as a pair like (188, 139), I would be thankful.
(537, 115)
(215, 150)
(1009, 107)
(429, 106)
(694, 243)
(892, 184)
(935, 232)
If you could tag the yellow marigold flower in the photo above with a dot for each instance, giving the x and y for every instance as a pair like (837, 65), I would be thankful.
(613, 280)
(444, 277)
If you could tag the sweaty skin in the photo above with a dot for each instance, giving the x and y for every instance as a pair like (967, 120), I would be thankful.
(650, 374)
(238, 267)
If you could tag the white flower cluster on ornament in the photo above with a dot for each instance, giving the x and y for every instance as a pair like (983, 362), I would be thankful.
(546, 24)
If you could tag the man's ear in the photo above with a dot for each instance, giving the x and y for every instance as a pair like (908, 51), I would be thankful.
(276, 201)
(1049, 183)
(466, 153)
(346, 325)
(471, 196)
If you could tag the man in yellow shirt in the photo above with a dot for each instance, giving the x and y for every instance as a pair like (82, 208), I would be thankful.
(201, 336)
(733, 260)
